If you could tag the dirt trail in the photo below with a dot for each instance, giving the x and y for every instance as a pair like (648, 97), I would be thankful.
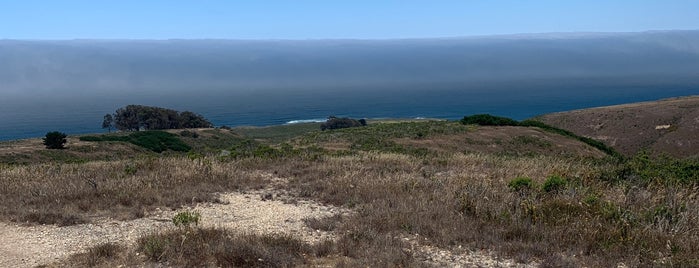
(28, 246)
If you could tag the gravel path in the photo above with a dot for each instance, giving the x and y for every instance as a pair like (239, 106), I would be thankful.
(263, 211)
(439, 257)
(28, 246)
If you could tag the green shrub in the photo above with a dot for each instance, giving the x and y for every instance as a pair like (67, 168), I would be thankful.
(521, 183)
(488, 120)
(660, 169)
(104, 138)
(186, 218)
(554, 183)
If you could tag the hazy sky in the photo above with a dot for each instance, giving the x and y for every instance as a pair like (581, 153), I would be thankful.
(318, 19)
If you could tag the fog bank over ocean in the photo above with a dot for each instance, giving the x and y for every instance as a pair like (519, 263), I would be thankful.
(70, 85)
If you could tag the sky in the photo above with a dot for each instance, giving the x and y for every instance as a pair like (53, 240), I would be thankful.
(334, 19)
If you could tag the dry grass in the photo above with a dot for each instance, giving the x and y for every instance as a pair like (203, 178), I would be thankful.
(104, 255)
(629, 128)
(206, 246)
(465, 200)
(203, 247)
(327, 224)
(66, 194)
(452, 199)
(507, 140)
(31, 151)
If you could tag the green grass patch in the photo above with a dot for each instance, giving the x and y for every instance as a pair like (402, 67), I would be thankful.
(379, 136)
(277, 134)
(521, 184)
(154, 140)
(661, 169)
(248, 148)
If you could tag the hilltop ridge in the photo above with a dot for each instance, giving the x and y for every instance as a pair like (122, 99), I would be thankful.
(667, 126)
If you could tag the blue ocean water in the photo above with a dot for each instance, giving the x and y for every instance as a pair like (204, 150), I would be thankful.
(33, 117)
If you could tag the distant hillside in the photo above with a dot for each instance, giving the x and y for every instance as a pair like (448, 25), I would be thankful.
(668, 126)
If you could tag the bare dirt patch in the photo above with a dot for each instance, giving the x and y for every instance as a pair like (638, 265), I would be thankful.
(28, 246)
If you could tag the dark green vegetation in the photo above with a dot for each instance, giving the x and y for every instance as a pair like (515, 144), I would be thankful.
(341, 122)
(400, 180)
(491, 120)
(55, 140)
(137, 117)
(649, 169)
(156, 141)
(488, 120)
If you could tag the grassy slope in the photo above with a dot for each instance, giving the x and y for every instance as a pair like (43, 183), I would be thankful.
(665, 126)
(445, 181)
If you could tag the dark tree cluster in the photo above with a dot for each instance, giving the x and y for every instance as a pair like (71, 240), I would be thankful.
(55, 140)
(139, 117)
(344, 122)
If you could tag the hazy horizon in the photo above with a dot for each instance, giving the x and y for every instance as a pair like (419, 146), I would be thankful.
(66, 63)
(85, 67)
(313, 19)
(70, 85)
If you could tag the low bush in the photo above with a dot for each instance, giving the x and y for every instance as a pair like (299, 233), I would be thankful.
(659, 169)
(554, 183)
(186, 218)
(521, 183)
